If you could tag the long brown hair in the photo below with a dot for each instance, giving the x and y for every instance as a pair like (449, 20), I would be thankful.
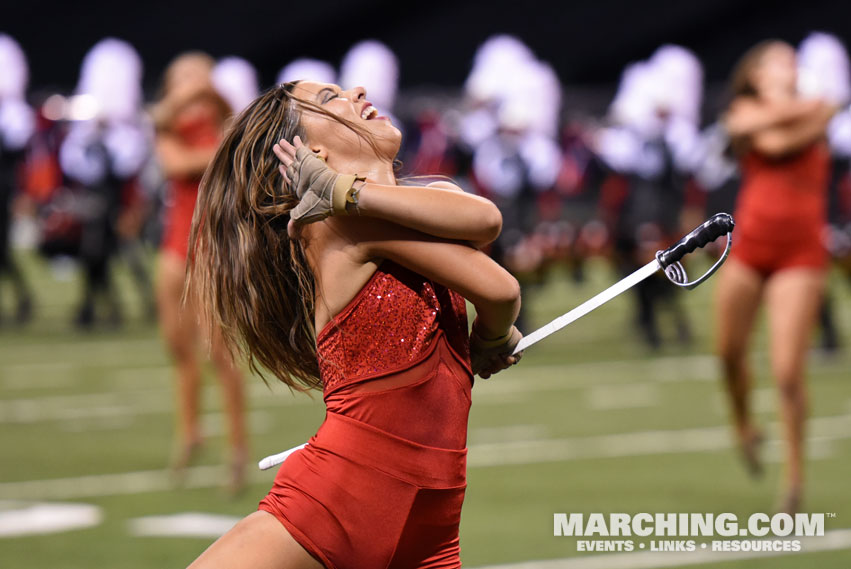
(249, 279)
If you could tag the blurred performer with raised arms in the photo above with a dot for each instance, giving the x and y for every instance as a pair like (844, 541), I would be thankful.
(778, 254)
(104, 151)
(328, 274)
(17, 125)
(190, 118)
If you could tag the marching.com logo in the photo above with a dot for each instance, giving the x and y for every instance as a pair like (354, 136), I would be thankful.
(688, 525)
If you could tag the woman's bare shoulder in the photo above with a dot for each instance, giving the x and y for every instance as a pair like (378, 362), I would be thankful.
(340, 267)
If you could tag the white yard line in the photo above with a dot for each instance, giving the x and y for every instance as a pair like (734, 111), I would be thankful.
(121, 403)
(97, 346)
(514, 386)
(18, 519)
(506, 433)
(212, 424)
(599, 446)
(831, 541)
(48, 375)
(122, 483)
(629, 396)
(42, 375)
(558, 377)
(185, 524)
(136, 396)
(823, 431)
(87, 405)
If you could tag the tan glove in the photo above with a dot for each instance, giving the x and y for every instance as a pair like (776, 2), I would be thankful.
(488, 357)
(322, 191)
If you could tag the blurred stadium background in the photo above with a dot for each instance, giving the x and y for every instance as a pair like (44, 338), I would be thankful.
(621, 412)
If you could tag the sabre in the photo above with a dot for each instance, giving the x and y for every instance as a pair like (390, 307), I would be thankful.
(667, 261)
(277, 459)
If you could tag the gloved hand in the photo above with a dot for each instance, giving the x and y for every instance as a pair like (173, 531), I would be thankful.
(322, 191)
(488, 357)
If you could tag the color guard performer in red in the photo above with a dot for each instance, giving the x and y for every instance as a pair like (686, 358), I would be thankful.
(190, 118)
(778, 254)
(326, 272)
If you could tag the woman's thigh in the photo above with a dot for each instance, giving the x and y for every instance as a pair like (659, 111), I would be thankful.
(257, 542)
(793, 297)
(176, 320)
(737, 299)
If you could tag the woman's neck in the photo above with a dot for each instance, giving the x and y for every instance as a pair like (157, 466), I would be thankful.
(375, 170)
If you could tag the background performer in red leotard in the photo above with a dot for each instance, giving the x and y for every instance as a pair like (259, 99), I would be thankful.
(777, 252)
(190, 119)
(332, 276)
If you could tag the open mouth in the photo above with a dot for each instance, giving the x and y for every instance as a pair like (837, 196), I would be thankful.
(369, 112)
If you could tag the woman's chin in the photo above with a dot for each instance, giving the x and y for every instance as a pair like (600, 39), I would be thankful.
(389, 138)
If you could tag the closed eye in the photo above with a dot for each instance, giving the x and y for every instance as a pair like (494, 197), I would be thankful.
(328, 94)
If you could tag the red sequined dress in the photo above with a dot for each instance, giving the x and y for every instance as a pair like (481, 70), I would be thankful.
(781, 211)
(201, 129)
(381, 483)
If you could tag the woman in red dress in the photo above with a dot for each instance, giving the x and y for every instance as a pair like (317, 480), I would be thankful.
(778, 255)
(190, 119)
(325, 272)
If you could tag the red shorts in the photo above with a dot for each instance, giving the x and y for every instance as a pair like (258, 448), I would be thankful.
(359, 497)
(770, 256)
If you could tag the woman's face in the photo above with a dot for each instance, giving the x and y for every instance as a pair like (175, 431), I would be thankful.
(336, 139)
(187, 74)
(777, 72)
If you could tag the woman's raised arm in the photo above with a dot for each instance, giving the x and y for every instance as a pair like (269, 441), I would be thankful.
(435, 210)
(747, 116)
(794, 136)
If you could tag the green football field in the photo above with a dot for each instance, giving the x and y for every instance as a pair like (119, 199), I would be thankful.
(590, 421)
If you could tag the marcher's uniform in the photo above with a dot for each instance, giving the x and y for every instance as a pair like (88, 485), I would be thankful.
(781, 211)
(201, 130)
(382, 482)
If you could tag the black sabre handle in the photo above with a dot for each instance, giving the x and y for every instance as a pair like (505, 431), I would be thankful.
(713, 228)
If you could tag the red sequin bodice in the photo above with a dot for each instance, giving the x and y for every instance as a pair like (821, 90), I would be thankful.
(390, 326)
